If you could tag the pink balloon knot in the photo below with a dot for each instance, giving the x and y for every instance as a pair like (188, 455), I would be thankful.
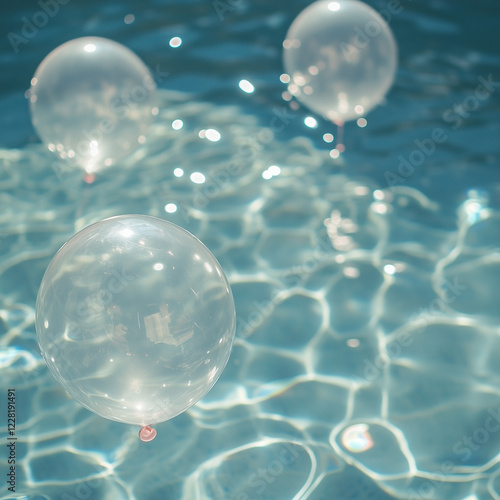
(147, 434)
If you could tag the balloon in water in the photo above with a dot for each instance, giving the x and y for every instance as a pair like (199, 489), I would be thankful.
(135, 318)
(91, 102)
(341, 58)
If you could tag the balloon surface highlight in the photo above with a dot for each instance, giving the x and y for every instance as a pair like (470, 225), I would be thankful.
(341, 58)
(91, 102)
(135, 318)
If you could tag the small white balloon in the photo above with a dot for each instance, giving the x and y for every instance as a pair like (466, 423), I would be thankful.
(341, 57)
(91, 102)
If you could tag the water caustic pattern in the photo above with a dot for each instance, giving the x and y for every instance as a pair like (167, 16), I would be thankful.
(365, 364)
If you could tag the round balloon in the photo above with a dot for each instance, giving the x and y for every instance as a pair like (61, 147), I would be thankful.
(92, 102)
(341, 58)
(135, 318)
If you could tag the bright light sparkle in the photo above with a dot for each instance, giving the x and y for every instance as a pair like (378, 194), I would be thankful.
(178, 172)
(311, 122)
(351, 272)
(212, 135)
(246, 86)
(170, 208)
(197, 178)
(359, 109)
(272, 171)
(379, 207)
(389, 269)
(177, 124)
(472, 207)
(126, 233)
(175, 42)
(284, 78)
(357, 438)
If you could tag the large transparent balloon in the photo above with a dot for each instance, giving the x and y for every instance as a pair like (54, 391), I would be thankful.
(92, 101)
(135, 318)
(341, 58)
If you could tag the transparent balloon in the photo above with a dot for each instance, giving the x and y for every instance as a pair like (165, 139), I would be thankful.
(341, 58)
(92, 102)
(135, 318)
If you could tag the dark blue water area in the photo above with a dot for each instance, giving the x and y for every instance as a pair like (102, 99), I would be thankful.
(444, 48)
(365, 364)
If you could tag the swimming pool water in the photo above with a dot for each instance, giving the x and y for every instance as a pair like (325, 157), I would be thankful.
(366, 287)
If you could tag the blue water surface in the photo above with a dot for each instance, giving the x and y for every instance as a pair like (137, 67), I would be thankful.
(365, 364)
